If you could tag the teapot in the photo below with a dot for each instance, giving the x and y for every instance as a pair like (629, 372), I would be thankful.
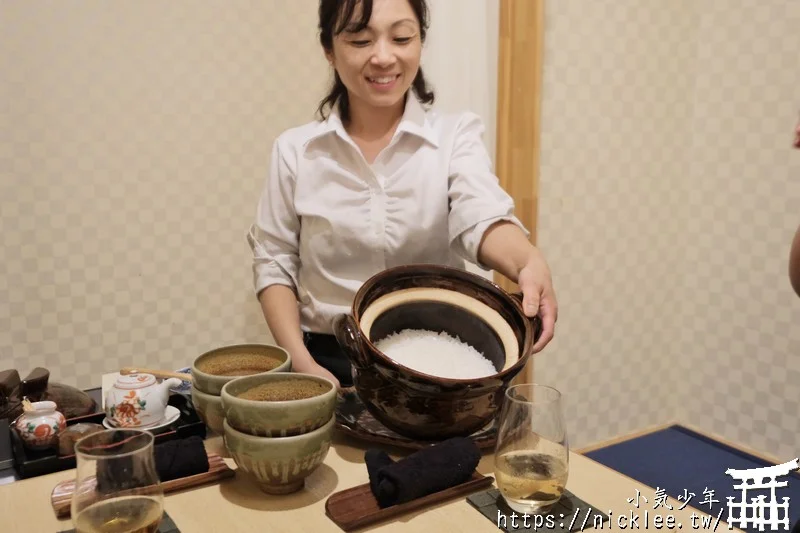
(138, 400)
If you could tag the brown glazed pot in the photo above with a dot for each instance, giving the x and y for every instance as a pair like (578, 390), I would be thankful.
(438, 298)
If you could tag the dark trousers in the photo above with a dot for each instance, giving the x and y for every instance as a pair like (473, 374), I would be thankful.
(326, 352)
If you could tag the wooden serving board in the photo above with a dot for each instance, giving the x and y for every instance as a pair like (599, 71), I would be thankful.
(61, 497)
(357, 507)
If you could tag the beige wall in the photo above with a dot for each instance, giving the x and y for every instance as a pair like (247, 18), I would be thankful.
(669, 196)
(460, 60)
(135, 145)
(136, 141)
(738, 340)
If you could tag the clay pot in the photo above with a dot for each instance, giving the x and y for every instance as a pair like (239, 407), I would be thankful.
(437, 298)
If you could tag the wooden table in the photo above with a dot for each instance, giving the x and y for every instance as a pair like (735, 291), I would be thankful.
(238, 505)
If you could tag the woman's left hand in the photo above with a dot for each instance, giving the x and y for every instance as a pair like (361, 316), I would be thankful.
(538, 297)
(506, 249)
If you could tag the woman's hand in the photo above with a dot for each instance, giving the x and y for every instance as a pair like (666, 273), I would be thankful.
(279, 304)
(505, 248)
(538, 297)
(306, 365)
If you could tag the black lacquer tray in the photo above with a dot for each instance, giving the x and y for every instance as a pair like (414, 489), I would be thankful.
(31, 463)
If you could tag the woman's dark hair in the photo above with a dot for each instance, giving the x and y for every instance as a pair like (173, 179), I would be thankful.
(334, 17)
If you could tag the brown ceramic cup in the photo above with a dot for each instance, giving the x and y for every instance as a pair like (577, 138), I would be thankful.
(437, 298)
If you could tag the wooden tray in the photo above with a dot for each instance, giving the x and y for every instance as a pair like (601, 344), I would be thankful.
(353, 418)
(357, 507)
(61, 497)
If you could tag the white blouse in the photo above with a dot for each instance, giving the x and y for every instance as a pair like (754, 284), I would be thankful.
(327, 220)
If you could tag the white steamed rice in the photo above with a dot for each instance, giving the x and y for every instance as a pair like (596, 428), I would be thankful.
(437, 354)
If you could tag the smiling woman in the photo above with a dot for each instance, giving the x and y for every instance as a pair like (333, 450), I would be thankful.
(380, 180)
(375, 49)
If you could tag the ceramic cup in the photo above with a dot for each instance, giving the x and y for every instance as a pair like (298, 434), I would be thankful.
(287, 416)
(279, 465)
(212, 370)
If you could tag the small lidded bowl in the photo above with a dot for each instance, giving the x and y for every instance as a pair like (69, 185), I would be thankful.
(40, 428)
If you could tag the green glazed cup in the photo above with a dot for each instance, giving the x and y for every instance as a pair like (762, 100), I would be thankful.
(285, 418)
(279, 465)
(237, 361)
(209, 409)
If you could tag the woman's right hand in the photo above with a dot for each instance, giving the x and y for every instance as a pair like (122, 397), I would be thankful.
(309, 366)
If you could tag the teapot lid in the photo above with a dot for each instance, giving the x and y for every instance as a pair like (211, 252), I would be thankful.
(135, 381)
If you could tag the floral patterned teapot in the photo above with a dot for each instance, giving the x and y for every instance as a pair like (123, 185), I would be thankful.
(138, 400)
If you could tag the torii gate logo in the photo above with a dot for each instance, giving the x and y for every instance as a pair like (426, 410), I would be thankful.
(760, 512)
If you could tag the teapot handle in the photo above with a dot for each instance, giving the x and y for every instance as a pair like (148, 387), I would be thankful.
(536, 321)
(349, 338)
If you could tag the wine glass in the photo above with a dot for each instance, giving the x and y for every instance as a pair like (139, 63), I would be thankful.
(532, 451)
(117, 489)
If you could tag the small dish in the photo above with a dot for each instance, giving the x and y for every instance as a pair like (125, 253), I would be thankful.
(171, 414)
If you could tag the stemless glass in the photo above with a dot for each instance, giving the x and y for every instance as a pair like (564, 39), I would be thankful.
(532, 451)
(117, 489)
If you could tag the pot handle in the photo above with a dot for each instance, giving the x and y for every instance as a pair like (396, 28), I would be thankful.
(536, 321)
(349, 339)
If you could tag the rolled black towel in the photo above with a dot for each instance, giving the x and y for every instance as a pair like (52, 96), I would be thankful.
(376, 459)
(181, 458)
(437, 467)
(173, 459)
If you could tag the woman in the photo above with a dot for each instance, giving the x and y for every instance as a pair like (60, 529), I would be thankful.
(378, 181)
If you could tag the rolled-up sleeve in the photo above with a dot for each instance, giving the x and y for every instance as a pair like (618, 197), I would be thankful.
(476, 198)
(274, 235)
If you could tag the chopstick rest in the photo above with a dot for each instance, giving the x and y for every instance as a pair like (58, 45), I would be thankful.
(432, 469)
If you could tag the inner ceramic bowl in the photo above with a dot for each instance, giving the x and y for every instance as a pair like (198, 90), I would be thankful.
(212, 370)
(436, 310)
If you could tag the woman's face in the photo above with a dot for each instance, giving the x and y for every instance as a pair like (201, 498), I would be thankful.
(379, 63)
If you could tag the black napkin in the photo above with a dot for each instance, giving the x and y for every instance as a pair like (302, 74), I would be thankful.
(173, 459)
(376, 460)
(181, 458)
(432, 469)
